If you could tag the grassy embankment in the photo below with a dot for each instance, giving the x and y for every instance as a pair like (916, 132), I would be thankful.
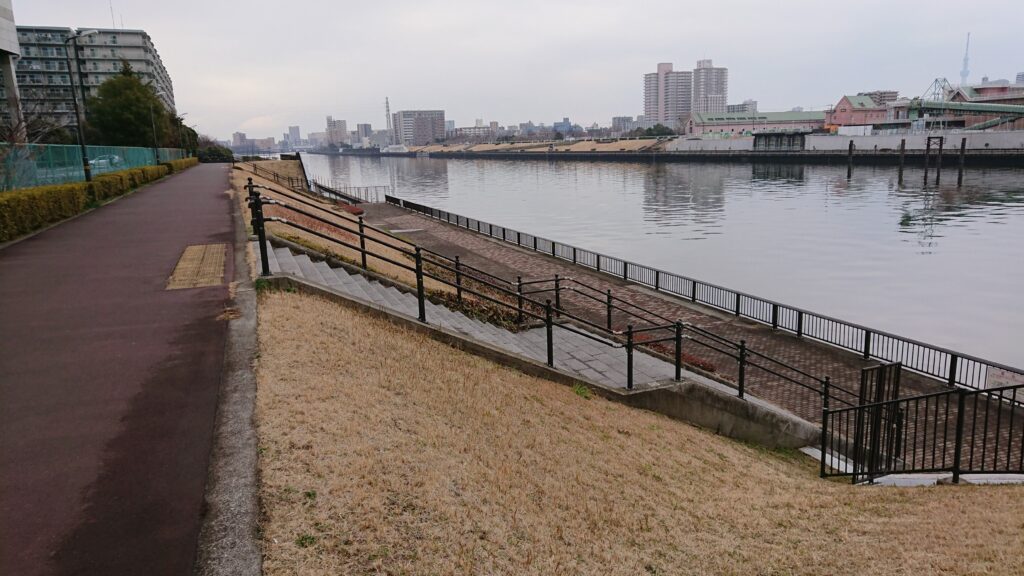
(385, 452)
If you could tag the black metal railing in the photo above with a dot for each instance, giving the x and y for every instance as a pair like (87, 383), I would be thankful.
(489, 288)
(951, 367)
(292, 182)
(959, 431)
(349, 194)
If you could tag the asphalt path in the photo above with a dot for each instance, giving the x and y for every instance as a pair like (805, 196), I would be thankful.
(109, 384)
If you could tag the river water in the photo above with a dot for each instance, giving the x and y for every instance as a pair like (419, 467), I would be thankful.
(938, 263)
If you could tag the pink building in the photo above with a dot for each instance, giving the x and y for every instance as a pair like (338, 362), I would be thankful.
(855, 111)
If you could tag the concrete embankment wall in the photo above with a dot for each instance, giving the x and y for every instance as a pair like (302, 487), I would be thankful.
(1011, 140)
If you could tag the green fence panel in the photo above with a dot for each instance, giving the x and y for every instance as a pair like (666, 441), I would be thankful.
(27, 165)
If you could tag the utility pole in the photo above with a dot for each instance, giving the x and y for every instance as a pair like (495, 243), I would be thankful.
(79, 117)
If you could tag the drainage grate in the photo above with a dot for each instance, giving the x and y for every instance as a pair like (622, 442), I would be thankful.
(200, 265)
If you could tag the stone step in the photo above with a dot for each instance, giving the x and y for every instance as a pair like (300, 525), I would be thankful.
(287, 262)
(309, 270)
(328, 274)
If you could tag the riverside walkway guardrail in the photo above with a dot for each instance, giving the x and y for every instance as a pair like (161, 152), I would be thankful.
(501, 292)
(953, 368)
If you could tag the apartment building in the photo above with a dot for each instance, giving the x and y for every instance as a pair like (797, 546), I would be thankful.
(710, 87)
(42, 70)
(667, 94)
(418, 127)
(337, 131)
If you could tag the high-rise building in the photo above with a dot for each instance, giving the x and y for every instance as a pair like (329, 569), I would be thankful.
(418, 127)
(363, 131)
(239, 139)
(1020, 78)
(43, 76)
(710, 87)
(337, 131)
(294, 136)
(667, 95)
(10, 103)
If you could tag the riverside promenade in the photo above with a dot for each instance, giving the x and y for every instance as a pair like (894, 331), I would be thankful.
(508, 261)
(109, 381)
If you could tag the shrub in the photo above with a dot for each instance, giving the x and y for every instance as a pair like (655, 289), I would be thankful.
(179, 165)
(29, 209)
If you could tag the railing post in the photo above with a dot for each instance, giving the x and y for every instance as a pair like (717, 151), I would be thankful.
(553, 244)
(256, 207)
(573, 254)
(558, 293)
(362, 242)
(419, 285)
(609, 301)
(534, 243)
(625, 270)
(824, 422)
(629, 357)
(519, 299)
(458, 279)
(951, 380)
(959, 434)
(679, 351)
(693, 290)
(737, 303)
(867, 344)
(519, 238)
(548, 329)
(799, 324)
(657, 280)
(775, 316)
(598, 262)
(743, 366)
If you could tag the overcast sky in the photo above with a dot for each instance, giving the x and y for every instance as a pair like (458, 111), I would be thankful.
(258, 66)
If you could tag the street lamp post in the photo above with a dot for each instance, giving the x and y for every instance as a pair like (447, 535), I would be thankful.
(152, 122)
(79, 119)
(181, 122)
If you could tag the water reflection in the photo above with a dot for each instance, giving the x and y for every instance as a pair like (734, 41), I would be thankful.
(932, 261)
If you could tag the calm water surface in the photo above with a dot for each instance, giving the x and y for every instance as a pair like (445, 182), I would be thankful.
(933, 262)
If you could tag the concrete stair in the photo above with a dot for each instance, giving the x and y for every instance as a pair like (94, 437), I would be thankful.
(574, 353)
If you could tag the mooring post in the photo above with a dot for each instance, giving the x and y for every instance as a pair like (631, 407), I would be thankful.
(960, 165)
(938, 160)
(849, 160)
(903, 153)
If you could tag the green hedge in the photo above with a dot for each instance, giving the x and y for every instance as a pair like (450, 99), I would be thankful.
(22, 211)
(29, 209)
(179, 165)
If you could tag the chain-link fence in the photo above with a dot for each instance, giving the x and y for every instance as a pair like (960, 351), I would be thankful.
(27, 165)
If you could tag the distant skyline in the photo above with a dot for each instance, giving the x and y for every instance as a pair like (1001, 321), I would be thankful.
(267, 66)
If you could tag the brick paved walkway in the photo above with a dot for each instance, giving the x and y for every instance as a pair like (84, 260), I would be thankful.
(509, 261)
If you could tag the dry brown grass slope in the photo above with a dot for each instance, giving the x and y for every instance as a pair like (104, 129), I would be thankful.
(385, 452)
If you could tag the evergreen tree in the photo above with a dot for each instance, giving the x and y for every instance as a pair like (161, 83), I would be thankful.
(127, 112)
